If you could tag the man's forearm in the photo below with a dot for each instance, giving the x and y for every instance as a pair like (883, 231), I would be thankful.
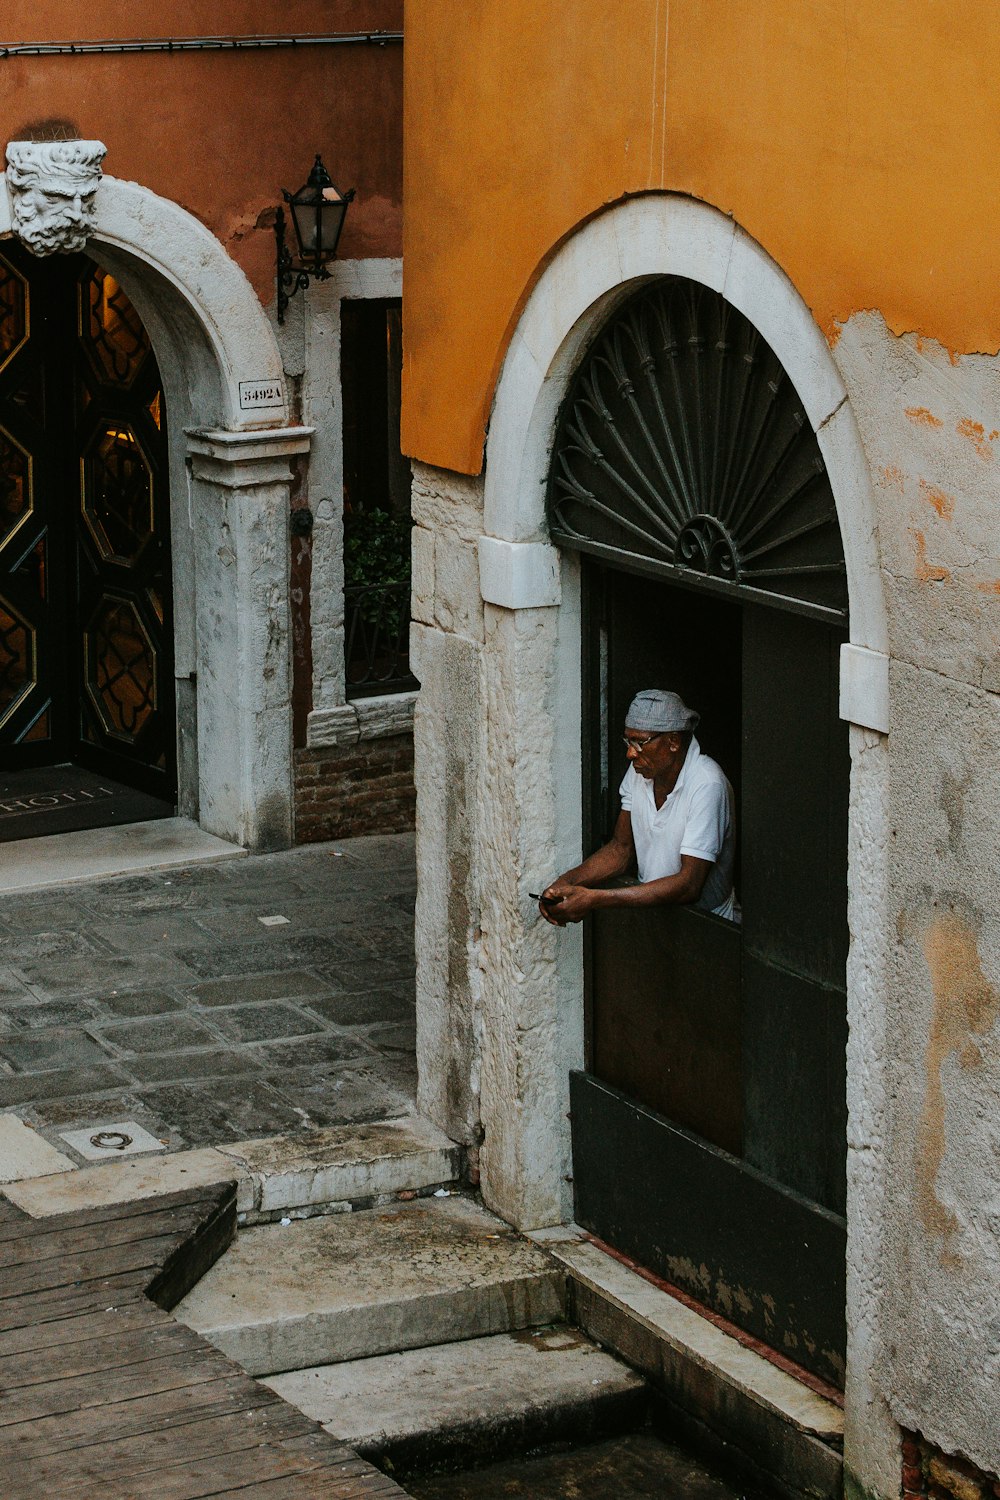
(672, 890)
(604, 864)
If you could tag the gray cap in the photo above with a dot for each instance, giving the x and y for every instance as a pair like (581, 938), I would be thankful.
(658, 712)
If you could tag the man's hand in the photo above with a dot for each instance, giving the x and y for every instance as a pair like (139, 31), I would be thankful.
(561, 903)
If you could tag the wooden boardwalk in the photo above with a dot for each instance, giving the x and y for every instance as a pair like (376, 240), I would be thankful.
(103, 1396)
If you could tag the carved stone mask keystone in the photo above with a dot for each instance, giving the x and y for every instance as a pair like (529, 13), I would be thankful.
(52, 187)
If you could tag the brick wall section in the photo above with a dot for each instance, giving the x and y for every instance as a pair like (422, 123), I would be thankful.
(929, 1474)
(366, 787)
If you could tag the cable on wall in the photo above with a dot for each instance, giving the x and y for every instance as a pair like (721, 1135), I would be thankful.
(200, 44)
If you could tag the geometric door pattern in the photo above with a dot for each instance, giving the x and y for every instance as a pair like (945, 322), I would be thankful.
(86, 635)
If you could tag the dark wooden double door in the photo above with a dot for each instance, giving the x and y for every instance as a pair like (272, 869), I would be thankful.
(709, 1128)
(86, 633)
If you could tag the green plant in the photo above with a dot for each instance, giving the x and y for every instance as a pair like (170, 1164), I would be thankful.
(376, 548)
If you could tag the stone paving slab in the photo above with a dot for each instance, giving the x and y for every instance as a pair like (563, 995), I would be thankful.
(161, 998)
(24, 1153)
(56, 860)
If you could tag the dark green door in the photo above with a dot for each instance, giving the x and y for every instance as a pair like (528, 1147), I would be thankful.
(86, 631)
(709, 1125)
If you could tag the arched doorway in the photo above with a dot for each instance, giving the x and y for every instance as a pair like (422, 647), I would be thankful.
(87, 724)
(709, 1121)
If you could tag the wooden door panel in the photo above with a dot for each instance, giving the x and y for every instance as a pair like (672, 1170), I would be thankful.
(86, 630)
(795, 1081)
(796, 769)
(667, 1031)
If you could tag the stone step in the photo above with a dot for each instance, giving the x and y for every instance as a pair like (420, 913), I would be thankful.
(281, 1174)
(727, 1399)
(349, 1286)
(471, 1401)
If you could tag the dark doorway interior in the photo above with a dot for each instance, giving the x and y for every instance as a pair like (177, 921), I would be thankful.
(709, 1127)
(376, 501)
(86, 628)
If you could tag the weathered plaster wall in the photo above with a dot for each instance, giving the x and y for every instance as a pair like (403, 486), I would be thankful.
(925, 1170)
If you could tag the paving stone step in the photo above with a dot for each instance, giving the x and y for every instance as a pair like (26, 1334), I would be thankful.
(289, 1173)
(470, 1401)
(726, 1398)
(377, 1281)
(99, 853)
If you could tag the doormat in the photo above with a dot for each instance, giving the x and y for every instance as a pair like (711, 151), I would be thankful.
(64, 799)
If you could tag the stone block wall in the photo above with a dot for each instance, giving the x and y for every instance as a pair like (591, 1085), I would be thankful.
(343, 791)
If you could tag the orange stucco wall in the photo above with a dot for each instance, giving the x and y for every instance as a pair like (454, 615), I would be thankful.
(857, 142)
(223, 133)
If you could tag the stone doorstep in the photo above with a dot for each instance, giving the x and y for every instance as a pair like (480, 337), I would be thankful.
(475, 1400)
(725, 1394)
(60, 859)
(378, 1281)
(320, 1169)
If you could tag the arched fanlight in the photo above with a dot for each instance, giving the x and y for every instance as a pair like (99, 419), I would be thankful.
(682, 449)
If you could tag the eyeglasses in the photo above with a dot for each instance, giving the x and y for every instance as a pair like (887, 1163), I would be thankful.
(639, 745)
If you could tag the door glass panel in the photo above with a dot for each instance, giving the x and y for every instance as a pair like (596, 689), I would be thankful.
(15, 486)
(117, 493)
(17, 659)
(40, 730)
(121, 668)
(111, 330)
(13, 312)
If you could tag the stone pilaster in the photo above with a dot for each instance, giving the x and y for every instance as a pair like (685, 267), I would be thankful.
(240, 507)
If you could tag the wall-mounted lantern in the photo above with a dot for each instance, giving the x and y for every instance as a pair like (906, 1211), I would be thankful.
(318, 213)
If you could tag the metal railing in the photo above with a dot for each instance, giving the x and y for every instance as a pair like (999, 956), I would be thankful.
(377, 639)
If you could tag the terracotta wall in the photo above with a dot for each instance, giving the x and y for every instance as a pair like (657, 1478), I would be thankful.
(222, 133)
(856, 142)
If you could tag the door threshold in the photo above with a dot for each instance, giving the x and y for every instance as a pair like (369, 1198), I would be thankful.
(724, 1398)
(102, 853)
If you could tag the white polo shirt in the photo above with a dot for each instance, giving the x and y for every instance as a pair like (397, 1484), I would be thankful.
(696, 819)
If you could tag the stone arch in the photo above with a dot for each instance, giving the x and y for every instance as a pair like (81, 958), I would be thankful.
(180, 277)
(611, 255)
(230, 476)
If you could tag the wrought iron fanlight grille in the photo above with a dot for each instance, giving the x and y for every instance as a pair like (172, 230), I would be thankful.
(682, 449)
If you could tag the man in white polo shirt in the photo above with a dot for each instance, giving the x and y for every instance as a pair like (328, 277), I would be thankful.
(676, 825)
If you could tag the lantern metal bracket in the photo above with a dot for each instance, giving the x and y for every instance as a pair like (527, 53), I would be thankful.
(294, 275)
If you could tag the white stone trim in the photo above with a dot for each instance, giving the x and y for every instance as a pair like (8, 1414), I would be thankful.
(243, 460)
(518, 575)
(864, 687)
(607, 258)
(240, 484)
(362, 719)
(310, 342)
